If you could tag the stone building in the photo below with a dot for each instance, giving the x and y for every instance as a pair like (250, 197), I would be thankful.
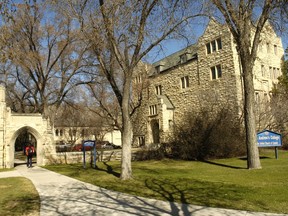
(199, 75)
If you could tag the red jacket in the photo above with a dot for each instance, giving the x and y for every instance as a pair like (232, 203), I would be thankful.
(29, 150)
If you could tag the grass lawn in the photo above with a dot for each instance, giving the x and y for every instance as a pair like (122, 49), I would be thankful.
(217, 183)
(18, 197)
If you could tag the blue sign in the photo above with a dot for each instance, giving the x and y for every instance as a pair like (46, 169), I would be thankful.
(268, 138)
(89, 143)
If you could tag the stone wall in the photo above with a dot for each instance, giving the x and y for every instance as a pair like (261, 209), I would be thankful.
(77, 157)
(203, 91)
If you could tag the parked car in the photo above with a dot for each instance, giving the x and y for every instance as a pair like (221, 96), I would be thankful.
(111, 146)
(101, 144)
(63, 148)
(79, 147)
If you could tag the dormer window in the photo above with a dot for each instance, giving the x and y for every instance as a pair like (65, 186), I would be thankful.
(183, 58)
(159, 68)
(184, 81)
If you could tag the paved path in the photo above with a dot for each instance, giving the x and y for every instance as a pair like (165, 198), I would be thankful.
(61, 195)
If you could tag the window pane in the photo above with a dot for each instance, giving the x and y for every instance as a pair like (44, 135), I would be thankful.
(262, 70)
(187, 81)
(219, 71)
(213, 73)
(219, 43)
(208, 48)
(213, 45)
(182, 82)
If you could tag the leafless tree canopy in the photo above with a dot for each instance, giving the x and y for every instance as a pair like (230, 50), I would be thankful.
(42, 60)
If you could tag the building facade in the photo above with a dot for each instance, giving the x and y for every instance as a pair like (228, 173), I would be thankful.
(200, 75)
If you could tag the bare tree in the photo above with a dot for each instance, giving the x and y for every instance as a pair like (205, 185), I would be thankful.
(43, 58)
(246, 20)
(120, 34)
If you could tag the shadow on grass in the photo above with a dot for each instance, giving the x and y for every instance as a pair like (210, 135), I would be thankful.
(261, 157)
(197, 192)
(223, 165)
(109, 170)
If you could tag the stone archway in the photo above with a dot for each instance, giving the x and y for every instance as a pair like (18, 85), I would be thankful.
(39, 148)
(11, 126)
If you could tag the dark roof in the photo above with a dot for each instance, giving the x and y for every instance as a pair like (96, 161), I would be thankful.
(174, 59)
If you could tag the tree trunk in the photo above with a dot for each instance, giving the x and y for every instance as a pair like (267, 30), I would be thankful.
(126, 171)
(253, 160)
(127, 134)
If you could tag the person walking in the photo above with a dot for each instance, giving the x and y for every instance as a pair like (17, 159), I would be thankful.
(29, 153)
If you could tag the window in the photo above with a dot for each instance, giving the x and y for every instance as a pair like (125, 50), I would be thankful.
(274, 73)
(153, 110)
(184, 82)
(268, 47)
(57, 132)
(158, 90)
(61, 132)
(208, 48)
(159, 68)
(219, 43)
(170, 122)
(183, 58)
(262, 70)
(275, 49)
(216, 72)
(271, 72)
(138, 79)
(257, 97)
(266, 97)
(141, 140)
(214, 46)
(278, 73)
(213, 43)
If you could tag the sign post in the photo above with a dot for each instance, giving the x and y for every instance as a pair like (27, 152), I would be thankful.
(90, 143)
(269, 138)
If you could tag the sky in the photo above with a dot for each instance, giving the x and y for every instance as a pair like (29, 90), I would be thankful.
(171, 46)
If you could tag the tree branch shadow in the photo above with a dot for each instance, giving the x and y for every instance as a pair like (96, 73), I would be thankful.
(109, 170)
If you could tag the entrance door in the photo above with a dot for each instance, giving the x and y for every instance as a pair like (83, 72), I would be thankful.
(155, 131)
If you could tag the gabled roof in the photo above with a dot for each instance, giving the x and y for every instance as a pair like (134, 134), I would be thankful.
(166, 101)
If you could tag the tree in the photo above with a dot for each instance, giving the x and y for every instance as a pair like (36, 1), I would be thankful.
(240, 16)
(42, 58)
(120, 34)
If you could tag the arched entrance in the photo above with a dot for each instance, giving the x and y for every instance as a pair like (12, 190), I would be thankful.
(155, 131)
(19, 140)
(24, 139)
(14, 125)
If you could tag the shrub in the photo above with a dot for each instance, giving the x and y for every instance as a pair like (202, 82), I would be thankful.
(207, 134)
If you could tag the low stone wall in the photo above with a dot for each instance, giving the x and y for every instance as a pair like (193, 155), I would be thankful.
(77, 157)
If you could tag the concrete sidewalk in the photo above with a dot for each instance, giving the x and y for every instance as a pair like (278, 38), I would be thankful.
(61, 195)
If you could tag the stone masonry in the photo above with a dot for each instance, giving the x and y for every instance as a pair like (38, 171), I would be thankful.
(201, 74)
